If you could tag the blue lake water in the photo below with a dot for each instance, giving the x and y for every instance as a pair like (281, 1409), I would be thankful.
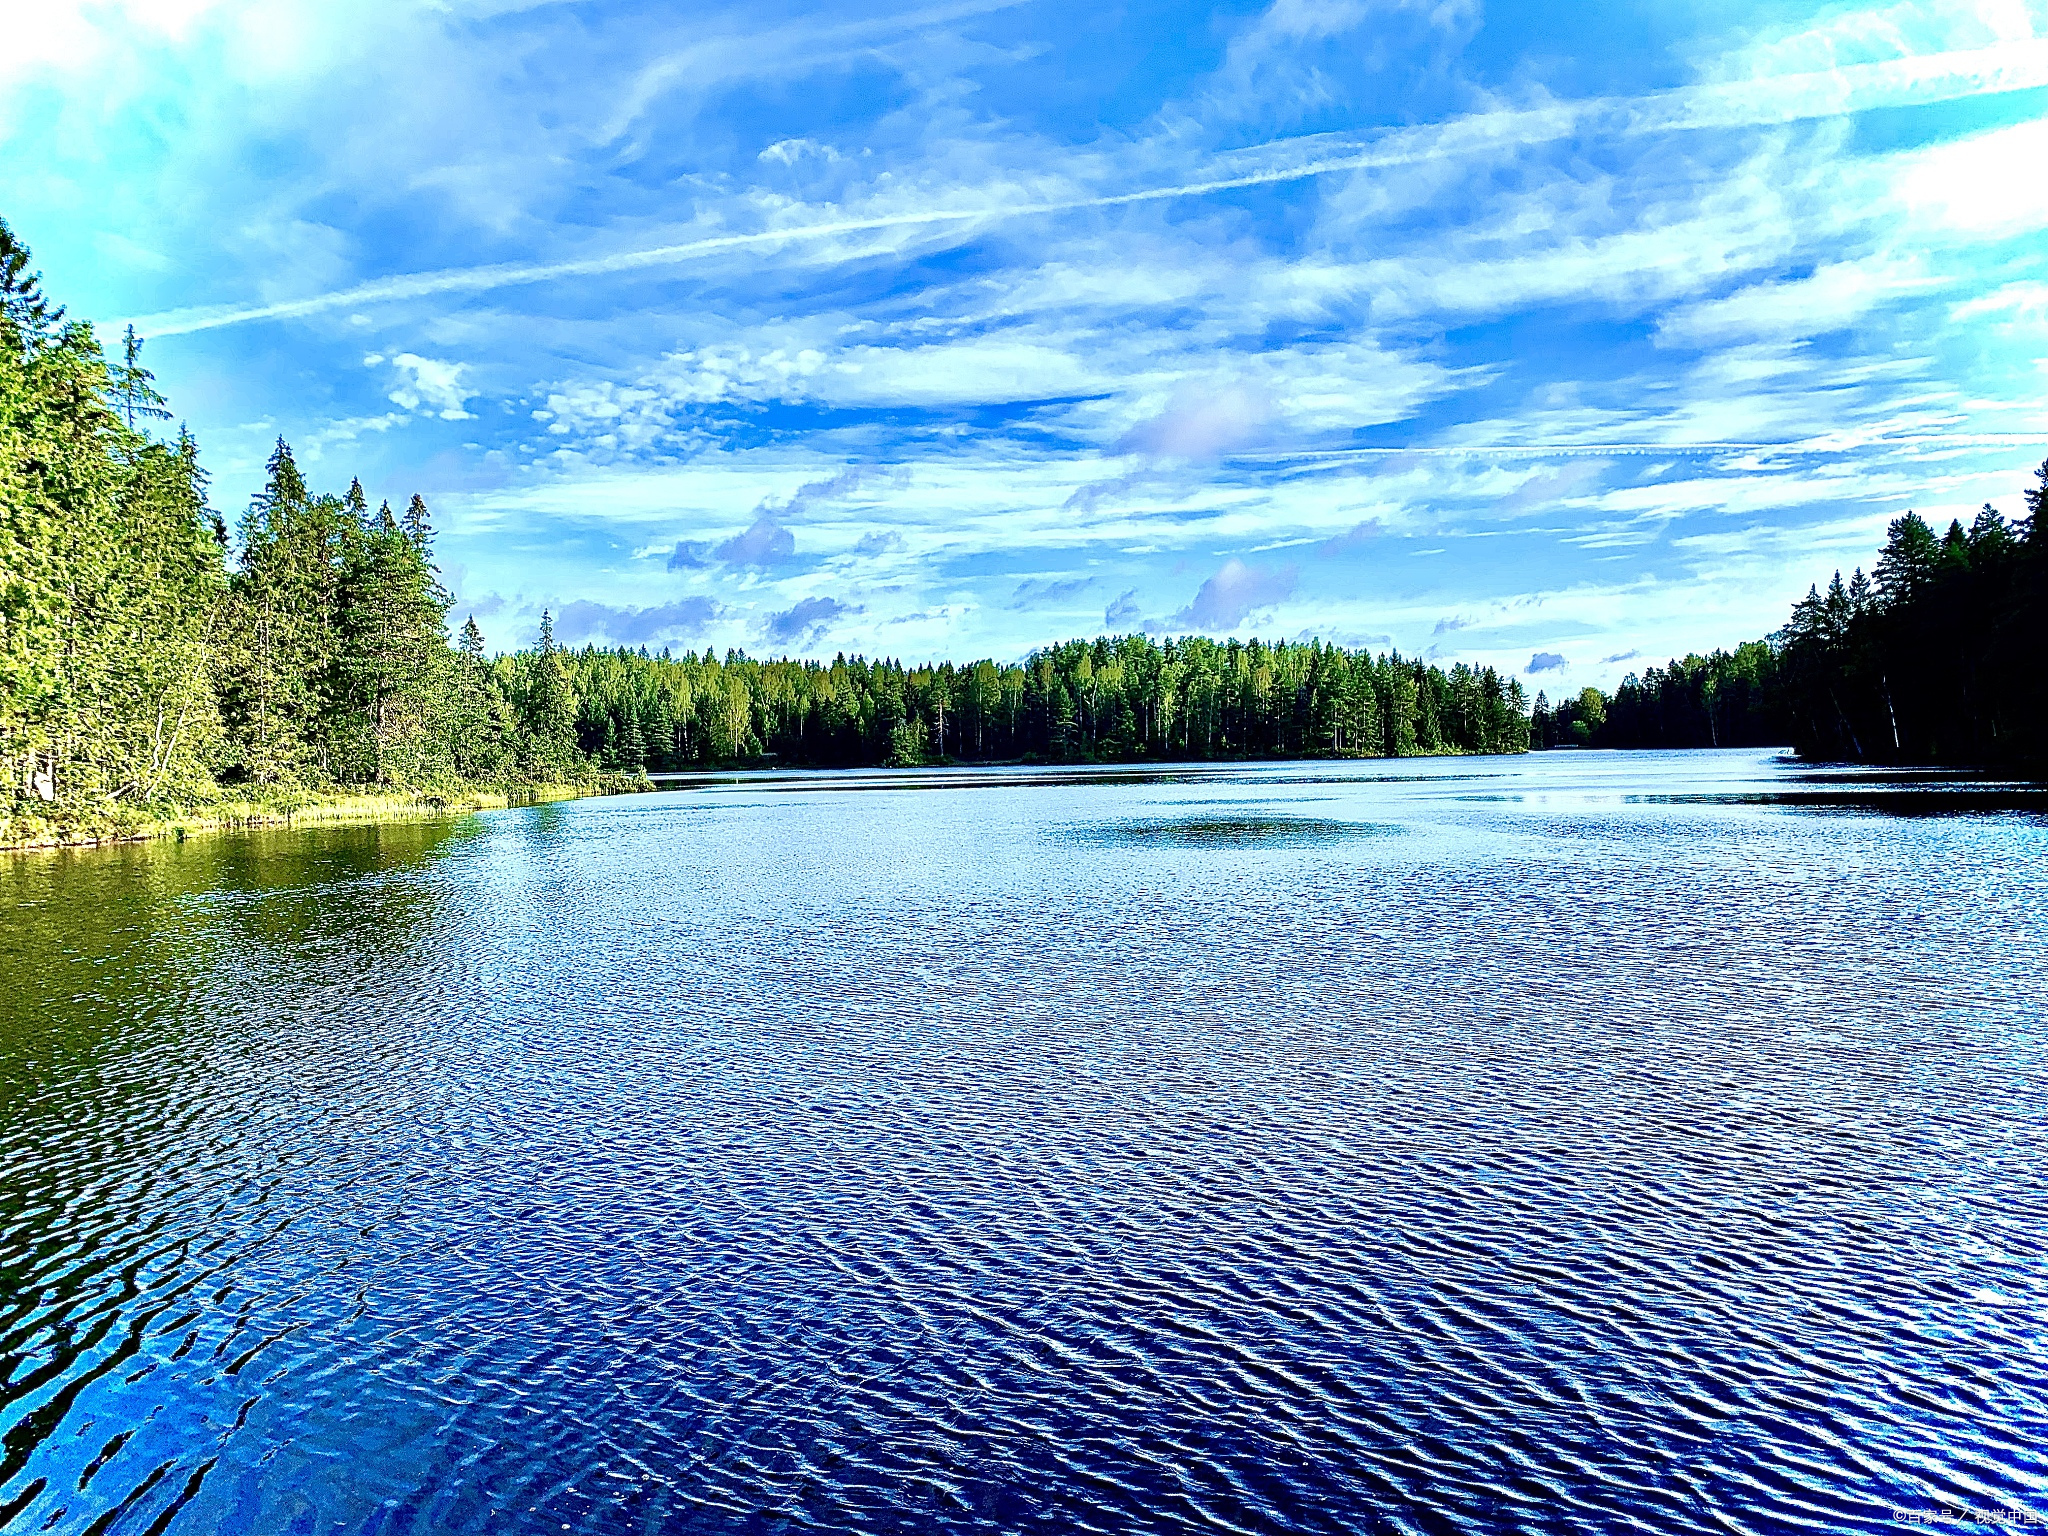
(1583, 1141)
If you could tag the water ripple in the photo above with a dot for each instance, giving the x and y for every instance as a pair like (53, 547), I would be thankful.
(1627, 1146)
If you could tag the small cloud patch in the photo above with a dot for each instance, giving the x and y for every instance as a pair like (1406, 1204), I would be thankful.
(1234, 593)
(1353, 539)
(1546, 661)
(1087, 497)
(1047, 589)
(804, 623)
(430, 384)
(763, 542)
(582, 620)
(790, 151)
(883, 543)
(1201, 424)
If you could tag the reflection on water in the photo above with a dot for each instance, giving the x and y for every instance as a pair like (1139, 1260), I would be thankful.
(1243, 831)
(1624, 1140)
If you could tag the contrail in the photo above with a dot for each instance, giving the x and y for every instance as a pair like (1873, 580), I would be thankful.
(1787, 98)
(1837, 443)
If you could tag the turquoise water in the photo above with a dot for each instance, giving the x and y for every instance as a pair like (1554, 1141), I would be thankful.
(1579, 1141)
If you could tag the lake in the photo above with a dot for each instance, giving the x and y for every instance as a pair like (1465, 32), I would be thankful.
(1578, 1141)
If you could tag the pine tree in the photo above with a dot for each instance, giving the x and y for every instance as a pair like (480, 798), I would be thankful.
(279, 679)
(417, 526)
(109, 575)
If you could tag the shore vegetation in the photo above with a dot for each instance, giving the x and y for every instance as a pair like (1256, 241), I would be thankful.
(161, 672)
(1937, 658)
(158, 674)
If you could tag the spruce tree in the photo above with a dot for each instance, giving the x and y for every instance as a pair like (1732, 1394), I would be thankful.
(134, 386)
(24, 308)
(547, 724)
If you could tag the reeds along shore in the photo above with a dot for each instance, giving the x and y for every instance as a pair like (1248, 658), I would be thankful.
(133, 824)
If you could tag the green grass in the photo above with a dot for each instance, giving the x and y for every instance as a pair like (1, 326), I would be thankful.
(73, 826)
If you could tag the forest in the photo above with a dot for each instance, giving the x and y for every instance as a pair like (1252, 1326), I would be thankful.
(152, 659)
(1937, 658)
(1116, 698)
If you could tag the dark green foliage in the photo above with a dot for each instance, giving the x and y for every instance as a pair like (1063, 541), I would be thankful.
(537, 683)
(134, 386)
(1108, 700)
(1939, 660)
(1723, 700)
(25, 312)
(136, 670)
(109, 572)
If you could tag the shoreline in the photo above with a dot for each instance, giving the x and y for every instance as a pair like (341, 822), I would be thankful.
(121, 824)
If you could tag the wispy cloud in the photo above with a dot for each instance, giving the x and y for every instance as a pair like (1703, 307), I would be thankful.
(882, 542)
(1646, 364)
(1201, 423)
(771, 52)
(1123, 611)
(1777, 100)
(1039, 591)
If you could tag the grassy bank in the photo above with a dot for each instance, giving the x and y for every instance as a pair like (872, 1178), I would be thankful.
(60, 826)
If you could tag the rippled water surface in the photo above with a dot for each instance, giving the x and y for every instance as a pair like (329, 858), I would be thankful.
(1574, 1142)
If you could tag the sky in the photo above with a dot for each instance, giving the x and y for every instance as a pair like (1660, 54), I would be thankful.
(1562, 339)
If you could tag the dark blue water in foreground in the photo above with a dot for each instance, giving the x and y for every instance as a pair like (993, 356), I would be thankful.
(1582, 1142)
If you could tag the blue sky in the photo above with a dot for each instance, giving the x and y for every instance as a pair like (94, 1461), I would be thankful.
(1574, 336)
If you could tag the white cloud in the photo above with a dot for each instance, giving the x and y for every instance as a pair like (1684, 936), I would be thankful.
(970, 208)
(701, 324)
(431, 384)
(1975, 186)
(790, 151)
(1830, 298)
(1236, 592)
(1200, 423)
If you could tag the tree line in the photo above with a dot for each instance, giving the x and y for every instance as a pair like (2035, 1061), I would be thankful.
(1938, 658)
(1728, 699)
(1116, 698)
(148, 660)
(150, 657)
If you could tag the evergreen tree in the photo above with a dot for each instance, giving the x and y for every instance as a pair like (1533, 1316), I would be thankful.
(25, 312)
(547, 709)
(109, 577)
(393, 659)
(134, 386)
